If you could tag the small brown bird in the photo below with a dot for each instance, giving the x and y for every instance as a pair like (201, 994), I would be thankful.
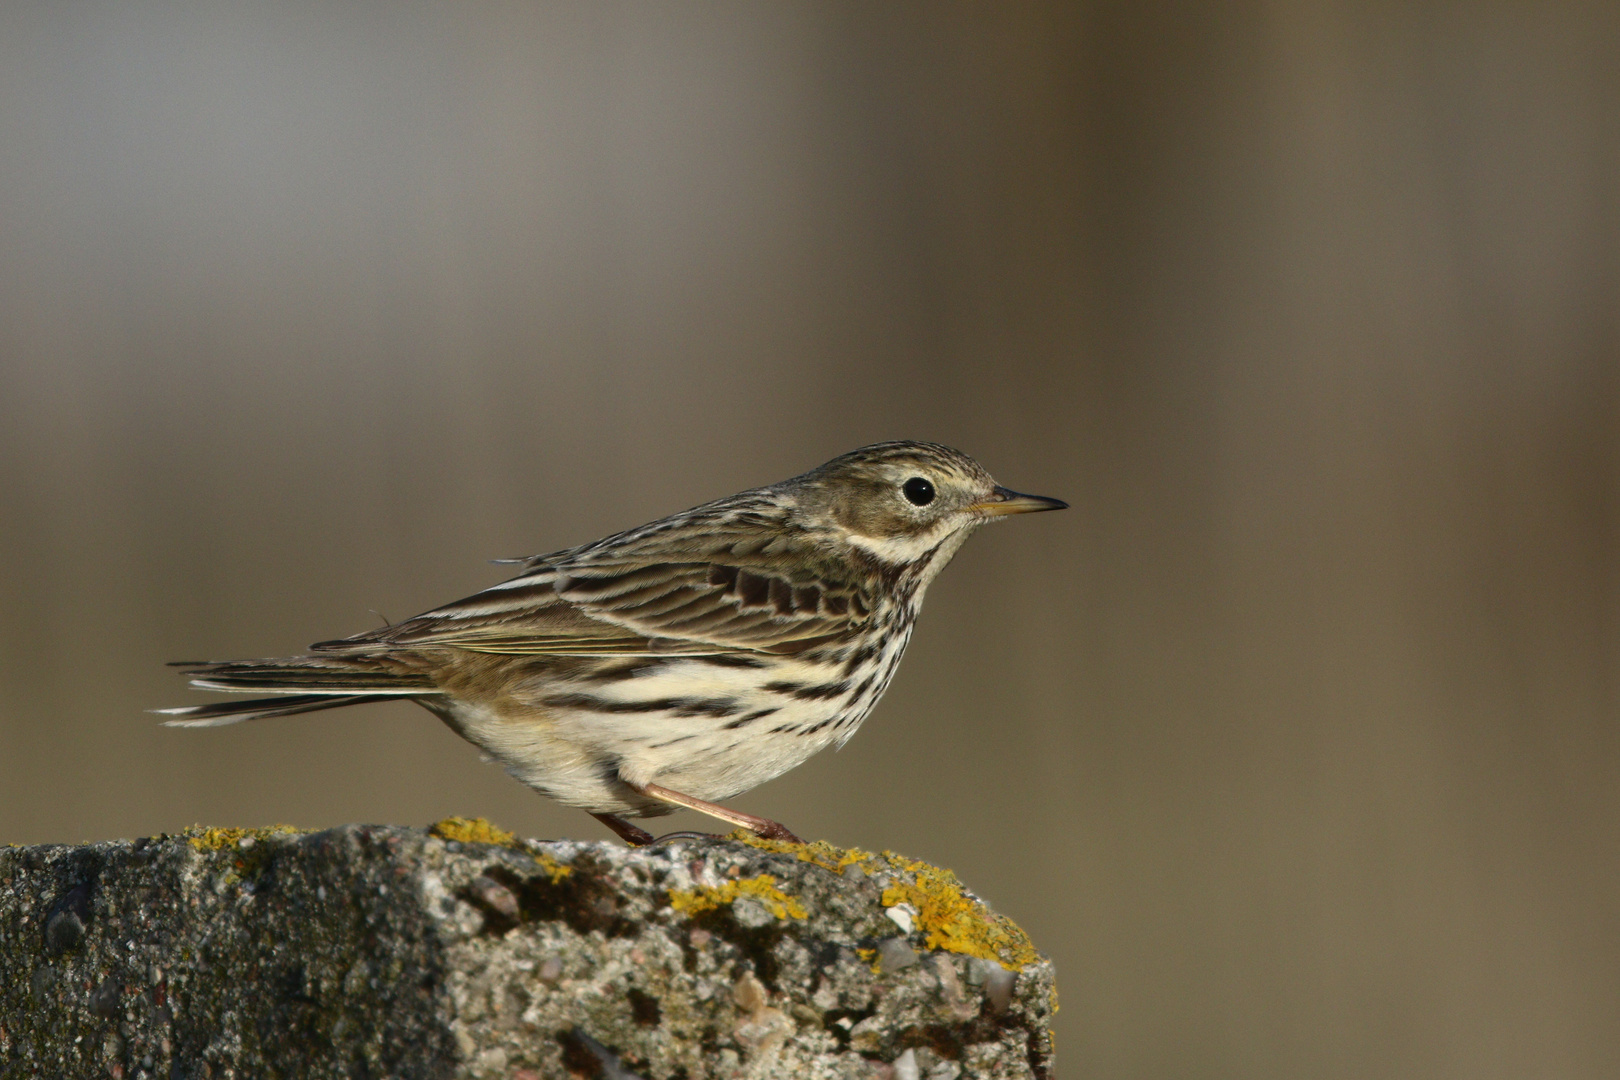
(678, 663)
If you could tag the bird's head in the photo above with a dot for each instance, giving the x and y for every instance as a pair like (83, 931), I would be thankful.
(906, 501)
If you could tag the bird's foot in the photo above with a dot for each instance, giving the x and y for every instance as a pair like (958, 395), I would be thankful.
(687, 835)
(773, 830)
(636, 836)
(633, 835)
(762, 827)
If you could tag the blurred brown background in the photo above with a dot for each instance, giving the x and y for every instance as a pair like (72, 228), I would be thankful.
(1295, 741)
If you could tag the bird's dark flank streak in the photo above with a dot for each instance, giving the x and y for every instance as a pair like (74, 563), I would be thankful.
(629, 676)
(744, 721)
(717, 707)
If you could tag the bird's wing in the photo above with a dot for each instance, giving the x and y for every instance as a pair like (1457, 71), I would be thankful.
(523, 616)
(729, 576)
(618, 607)
(734, 605)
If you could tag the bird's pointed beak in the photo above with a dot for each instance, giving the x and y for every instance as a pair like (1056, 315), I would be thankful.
(1004, 501)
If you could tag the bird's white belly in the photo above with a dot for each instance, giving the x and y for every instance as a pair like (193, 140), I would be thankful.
(721, 732)
(692, 726)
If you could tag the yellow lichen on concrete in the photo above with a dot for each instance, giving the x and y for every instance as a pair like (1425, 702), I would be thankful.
(472, 831)
(483, 831)
(825, 855)
(218, 839)
(556, 870)
(952, 920)
(762, 888)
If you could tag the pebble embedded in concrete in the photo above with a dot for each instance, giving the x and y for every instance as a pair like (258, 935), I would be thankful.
(896, 955)
(998, 985)
(751, 913)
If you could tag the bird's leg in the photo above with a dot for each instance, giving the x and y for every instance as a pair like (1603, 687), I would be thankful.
(765, 827)
(630, 834)
(639, 837)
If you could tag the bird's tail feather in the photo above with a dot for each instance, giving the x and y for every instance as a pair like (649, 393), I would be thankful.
(303, 684)
(234, 712)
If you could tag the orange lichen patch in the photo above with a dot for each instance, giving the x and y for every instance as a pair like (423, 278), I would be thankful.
(763, 888)
(870, 957)
(472, 831)
(825, 855)
(952, 920)
(217, 839)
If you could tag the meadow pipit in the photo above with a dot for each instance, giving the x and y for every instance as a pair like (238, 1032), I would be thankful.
(671, 665)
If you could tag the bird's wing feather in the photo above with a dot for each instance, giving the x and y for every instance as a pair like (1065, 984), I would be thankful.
(728, 576)
(738, 604)
(623, 607)
(524, 616)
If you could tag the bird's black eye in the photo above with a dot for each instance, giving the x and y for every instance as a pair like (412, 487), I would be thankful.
(918, 492)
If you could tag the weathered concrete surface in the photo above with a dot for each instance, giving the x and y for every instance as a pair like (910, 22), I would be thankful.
(389, 952)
